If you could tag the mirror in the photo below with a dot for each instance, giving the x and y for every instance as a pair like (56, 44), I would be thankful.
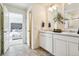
(71, 15)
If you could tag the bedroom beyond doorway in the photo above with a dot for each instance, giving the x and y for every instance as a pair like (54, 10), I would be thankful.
(15, 28)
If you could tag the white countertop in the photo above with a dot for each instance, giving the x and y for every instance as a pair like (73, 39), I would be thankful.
(63, 33)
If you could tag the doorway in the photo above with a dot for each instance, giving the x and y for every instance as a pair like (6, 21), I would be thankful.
(12, 29)
(15, 28)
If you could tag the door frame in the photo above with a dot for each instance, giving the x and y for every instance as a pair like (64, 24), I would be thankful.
(2, 29)
(2, 34)
(29, 28)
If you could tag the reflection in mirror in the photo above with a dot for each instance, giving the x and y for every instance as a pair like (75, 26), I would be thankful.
(49, 24)
(71, 12)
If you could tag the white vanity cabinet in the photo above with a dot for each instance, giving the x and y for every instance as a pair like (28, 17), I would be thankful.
(60, 44)
(73, 49)
(66, 45)
(46, 41)
(60, 47)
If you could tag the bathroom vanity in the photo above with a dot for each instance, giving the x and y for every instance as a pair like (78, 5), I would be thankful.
(60, 44)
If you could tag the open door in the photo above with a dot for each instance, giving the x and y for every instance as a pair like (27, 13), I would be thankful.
(4, 29)
(0, 27)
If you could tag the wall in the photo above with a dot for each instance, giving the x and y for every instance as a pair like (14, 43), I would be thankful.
(15, 18)
(14, 9)
(38, 15)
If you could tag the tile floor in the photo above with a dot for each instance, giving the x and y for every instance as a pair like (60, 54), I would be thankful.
(24, 50)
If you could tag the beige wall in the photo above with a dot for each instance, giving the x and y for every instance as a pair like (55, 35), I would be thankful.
(38, 15)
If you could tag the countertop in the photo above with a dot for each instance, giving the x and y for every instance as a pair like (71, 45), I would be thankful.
(62, 33)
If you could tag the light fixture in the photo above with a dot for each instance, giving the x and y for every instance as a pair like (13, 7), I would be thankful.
(69, 3)
(50, 9)
(53, 7)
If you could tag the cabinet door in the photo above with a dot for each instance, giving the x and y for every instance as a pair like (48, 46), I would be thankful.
(60, 47)
(48, 44)
(42, 40)
(73, 49)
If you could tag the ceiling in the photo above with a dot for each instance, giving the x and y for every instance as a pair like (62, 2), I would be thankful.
(69, 8)
(19, 5)
(26, 5)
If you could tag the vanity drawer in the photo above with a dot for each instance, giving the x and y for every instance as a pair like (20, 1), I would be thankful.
(67, 38)
(73, 39)
(48, 35)
(60, 37)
